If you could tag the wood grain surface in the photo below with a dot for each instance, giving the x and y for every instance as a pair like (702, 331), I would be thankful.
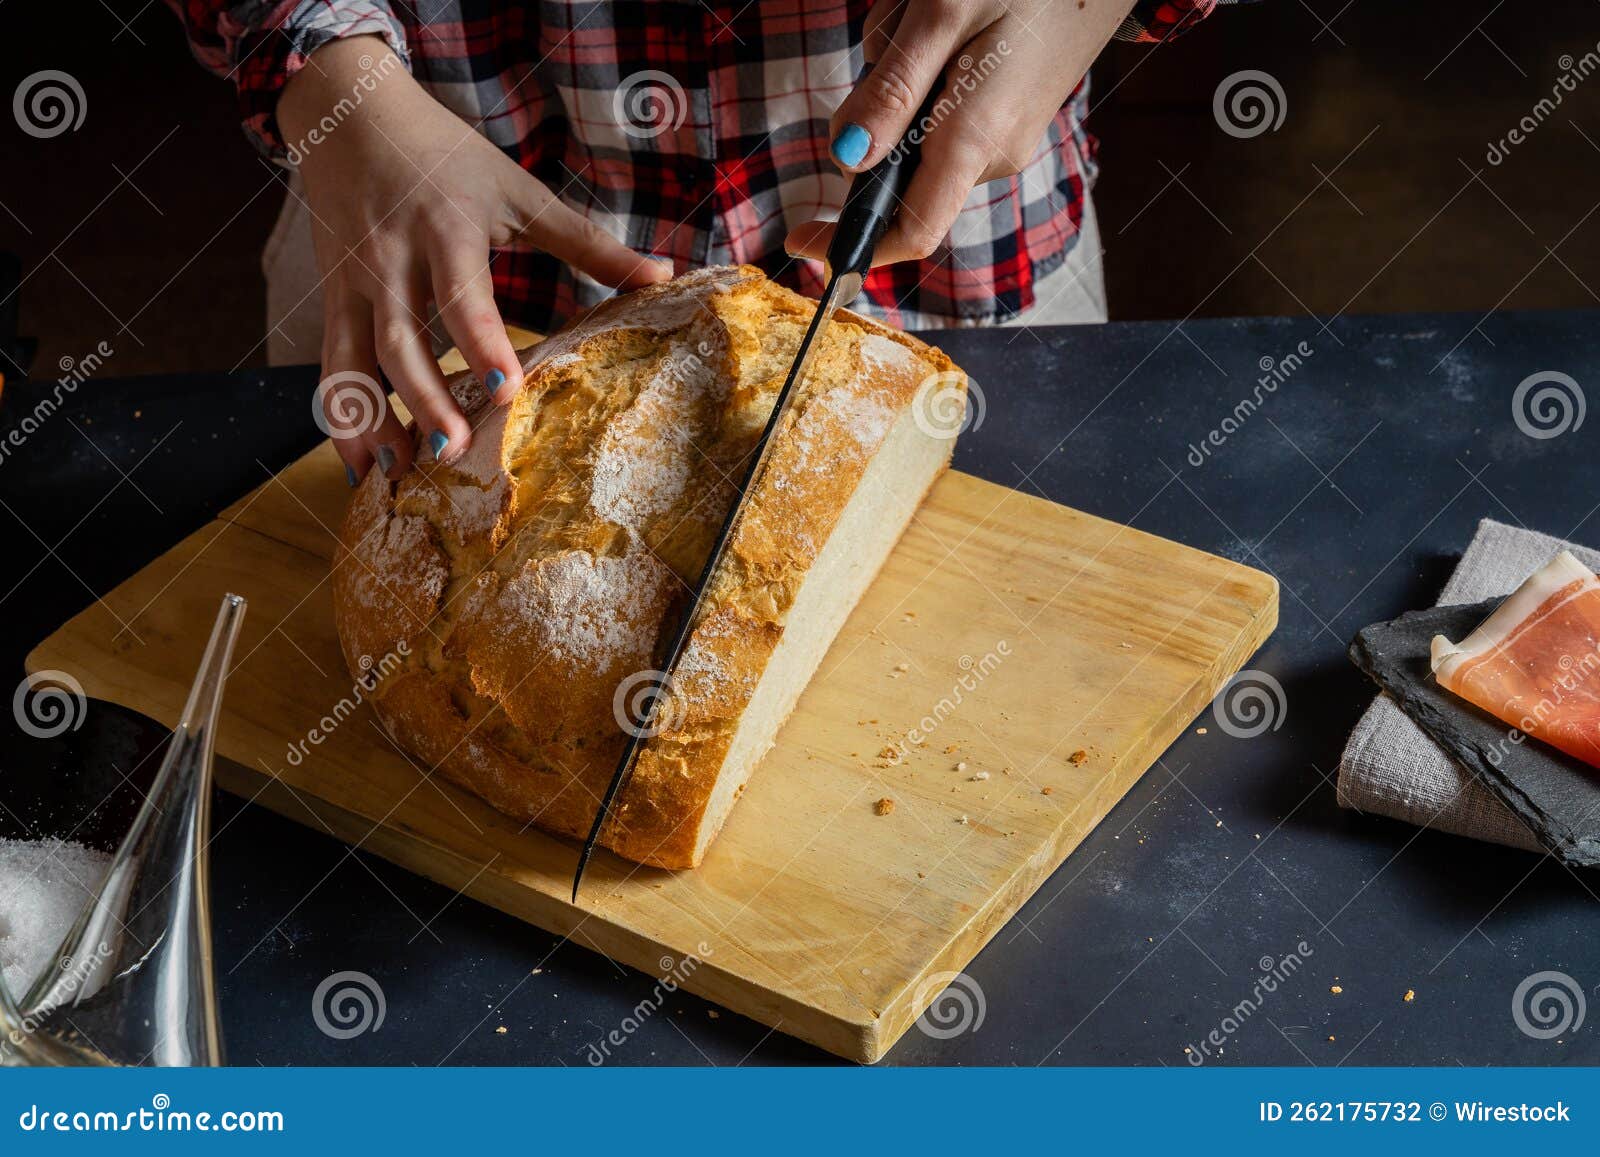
(1053, 654)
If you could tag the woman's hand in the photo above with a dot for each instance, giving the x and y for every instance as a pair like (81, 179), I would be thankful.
(407, 200)
(1006, 68)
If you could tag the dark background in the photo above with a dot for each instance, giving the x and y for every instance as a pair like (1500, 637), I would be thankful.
(1372, 197)
(152, 215)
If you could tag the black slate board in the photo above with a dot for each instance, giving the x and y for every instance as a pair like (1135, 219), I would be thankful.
(1557, 796)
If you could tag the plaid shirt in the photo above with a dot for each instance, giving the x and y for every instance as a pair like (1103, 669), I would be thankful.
(694, 131)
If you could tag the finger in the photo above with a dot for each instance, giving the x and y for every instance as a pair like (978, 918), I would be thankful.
(953, 161)
(354, 408)
(882, 18)
(879, 109)
(407, 359)
(810, 239)
(534, 217)
(464, 293)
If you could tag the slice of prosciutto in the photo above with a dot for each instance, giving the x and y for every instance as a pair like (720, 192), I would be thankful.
(1535, 662)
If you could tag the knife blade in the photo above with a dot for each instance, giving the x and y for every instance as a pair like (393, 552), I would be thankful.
(868, 209)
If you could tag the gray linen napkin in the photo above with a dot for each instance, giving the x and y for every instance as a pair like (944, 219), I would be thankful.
(1391, 767)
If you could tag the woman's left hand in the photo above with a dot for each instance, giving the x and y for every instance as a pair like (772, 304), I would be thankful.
(1006, 68)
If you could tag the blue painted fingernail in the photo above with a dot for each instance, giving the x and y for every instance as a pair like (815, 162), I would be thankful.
(851, 145)
(385, 459)
(352, 477)
(493, 380)
(438, 440)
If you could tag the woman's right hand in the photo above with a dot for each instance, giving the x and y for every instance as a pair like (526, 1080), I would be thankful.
(406, 202)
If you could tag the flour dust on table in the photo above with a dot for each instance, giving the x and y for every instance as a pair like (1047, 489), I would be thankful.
(44, 884)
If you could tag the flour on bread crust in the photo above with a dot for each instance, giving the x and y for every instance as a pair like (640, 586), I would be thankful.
(532, 576)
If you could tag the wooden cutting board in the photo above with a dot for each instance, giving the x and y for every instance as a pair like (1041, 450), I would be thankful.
(1005, 633)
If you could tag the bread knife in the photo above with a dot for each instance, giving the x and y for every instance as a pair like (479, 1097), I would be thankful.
(868, 209)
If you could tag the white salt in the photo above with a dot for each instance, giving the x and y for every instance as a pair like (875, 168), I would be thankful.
(43, 886)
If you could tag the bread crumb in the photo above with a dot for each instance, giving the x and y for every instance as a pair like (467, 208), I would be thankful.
(1077, 757)
(922, 875)
(978, 777)
(1411, 994)
(884, 806)
(962, 766)
(713, 1014)
(501, 1030)
(899, 670)
(1336, 989)
(963, 820)
(1200, 731)
(1333, 1038)
(1047, 791)
(536, 972)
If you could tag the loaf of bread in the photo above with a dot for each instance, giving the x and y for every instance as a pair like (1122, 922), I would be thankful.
(517, 601)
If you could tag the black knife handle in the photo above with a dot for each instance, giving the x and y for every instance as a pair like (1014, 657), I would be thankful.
(874, 195)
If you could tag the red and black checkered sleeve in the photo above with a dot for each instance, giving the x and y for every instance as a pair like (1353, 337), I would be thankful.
(1153, 21)
(259, 44)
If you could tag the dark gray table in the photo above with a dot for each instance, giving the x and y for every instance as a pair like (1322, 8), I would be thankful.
(1356, 483)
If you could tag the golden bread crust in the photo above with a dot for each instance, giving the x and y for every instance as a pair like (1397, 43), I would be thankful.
(533, 576)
